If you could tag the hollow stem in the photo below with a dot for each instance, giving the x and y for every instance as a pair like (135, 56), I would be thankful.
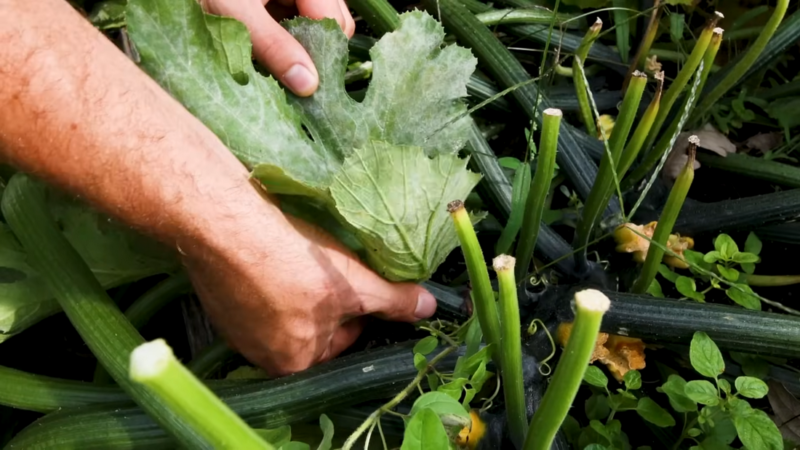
(607, 176)
(644, 46)
(744, 64)
(482, 293)
(154, 365)
(580, 80)
(379, 14)
(511, 341)
(534, 15)
(539, 187)
(770, 280)
(590, 306)
(664, 143)
(666, 221)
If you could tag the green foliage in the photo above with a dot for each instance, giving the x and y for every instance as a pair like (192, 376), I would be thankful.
(386, 167)
(425, 431)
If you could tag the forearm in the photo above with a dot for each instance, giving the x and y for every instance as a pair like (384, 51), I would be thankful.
(78, 113)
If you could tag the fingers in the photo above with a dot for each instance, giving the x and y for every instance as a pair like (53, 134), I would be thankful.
(320, 9)
(345, 336)
(401, 302)
(349, 24)
(273, 46)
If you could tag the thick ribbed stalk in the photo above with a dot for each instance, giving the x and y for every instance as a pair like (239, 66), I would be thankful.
(511, 340)
(534, 206)
(154, 365)
(579, 78)
(590, 306)
(655, 253)
(94, 315)
(379, 14)
(482, 292)
(540, 16)
(644, 46)
(643, 129)
(605, 181)
(769, 280)
(43, 394)
(146, 306)
(686, 73)
(665, 143)
(759, 168)
(744, 64)
(210, 358)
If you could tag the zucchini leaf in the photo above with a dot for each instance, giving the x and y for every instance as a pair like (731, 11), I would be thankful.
(394, 197)
(385, 167)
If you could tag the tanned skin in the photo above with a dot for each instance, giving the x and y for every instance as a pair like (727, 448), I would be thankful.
(78, 114)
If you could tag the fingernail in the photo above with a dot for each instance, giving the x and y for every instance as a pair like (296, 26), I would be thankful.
(300, 80)
(426, 306)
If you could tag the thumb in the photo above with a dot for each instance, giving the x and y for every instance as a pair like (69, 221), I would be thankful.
(400, 302)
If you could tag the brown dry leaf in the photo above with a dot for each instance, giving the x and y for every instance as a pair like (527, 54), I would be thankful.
(620, 354)
(787, 410)
(764, 142)
(630, 239)
(710, 139)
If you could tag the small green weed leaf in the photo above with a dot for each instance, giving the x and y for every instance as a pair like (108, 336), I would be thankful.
(655, 289)
(667, 273)
(752, 365)
(571, 429)
(426, 345)
(433, 381)
(472, 363)
(595, 376)
(753, 244)
(440, 403)
(687, 287)
(509, 162)
(693, 432)
(713, 256)
(469, 394)
(425, 431)
(453, 388)
(595, 447)
(757, 431)
(295, 445)
(632, 379)
(728, 274)
(724, 385)
(473, 339)
(751, 387)
(108, 14)
(276, 436)
(622, 402)
(745, 258)
(653, 413)
(326, 426)
(396, 200)
(705, 356)
(596, 407)
(749, 268)
(600, 429)
(721, 431)
(675, 388)
(726, 246)
(480, 376)
(702, 391)
(744, 296)
(420, 362)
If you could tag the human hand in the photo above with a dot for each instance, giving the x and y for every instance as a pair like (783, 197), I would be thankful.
(273, 46)
(292, 297)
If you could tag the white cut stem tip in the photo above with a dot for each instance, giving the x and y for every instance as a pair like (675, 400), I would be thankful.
(553, 112)
(719, 14)
(150, 359)
(503, 262)
(693, 139)
(592, 300)
(718, 31)
(639, 74)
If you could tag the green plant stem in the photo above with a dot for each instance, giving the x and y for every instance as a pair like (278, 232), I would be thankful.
(758, 168)
(539, 187)
(482, 292)
(644, 47)
(607, 177)
(666, 222)
(534, 16)
(210, 358)
(744, 64)
(520, 188)
(511, 340)
(643, 129)
(93, 314)
(769, 280)
(410, 387)
(580, 80)
(379, 14)
(664, 143)
(590, 306)
(146, 306)
(43, 394)
(154, 365)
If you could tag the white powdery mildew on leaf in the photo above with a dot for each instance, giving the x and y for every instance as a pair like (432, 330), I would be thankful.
(180, 48)
(414, 97)
(395, 197)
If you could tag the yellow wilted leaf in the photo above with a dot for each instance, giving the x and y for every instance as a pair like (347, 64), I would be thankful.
(606, 124)
(619, 353)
